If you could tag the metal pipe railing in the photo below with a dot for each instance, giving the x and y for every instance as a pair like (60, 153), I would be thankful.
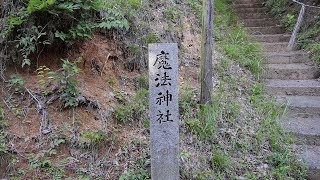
(297, 27)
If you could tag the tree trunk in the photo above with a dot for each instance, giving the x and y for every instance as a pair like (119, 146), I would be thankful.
(206, 52)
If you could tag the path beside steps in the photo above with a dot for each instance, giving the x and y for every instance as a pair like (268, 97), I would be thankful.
(291, 77)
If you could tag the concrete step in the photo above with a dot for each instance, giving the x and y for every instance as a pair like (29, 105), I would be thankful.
(251, 10)
(253, 15)
(311, 156)
(275, 47)
(287, 57)
(292, 71)
(305, 130)
(271, 38)
(246, 5)
(301, 106)
(266, 30)
(259, 22)
(293, 87)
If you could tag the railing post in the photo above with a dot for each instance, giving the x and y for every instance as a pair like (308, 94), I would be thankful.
(293, 38)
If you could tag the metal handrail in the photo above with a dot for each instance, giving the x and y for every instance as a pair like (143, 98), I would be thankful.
(306, 4)
(293, 38)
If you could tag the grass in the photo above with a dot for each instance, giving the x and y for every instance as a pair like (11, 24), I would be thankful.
(3, 124)
(135, 109)
(308, 37)
(241, 124)
(233, 40)
(308, 40)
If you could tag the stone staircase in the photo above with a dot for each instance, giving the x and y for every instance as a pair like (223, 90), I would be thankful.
(291, 78)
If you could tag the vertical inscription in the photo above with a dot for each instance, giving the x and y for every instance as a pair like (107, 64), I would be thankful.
(164, 111)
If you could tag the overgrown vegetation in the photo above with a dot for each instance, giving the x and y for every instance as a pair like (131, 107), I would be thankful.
(237, 132)
(34, 24)
(234, 41)
(237, 137)
(3, 141)
(308, 37)
(137, 107)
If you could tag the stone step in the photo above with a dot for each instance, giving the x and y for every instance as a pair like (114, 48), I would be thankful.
(266, 30)
(253, 15)
(259, 22)
(305, 130)
(306, 106)
(271, 38)
(275, 47)
(293, 87)
(311, 156)
(251, 10)
(287, 57)
(246, 5)
(292, 71)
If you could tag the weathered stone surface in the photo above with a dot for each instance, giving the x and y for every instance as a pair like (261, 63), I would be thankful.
(287, 57)
(164, 111)
(293, 87)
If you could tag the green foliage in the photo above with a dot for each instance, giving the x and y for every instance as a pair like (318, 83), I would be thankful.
(28, 42)
(309, 39)
(204, 127)
(120, 96)
(17, 83)
(46, 166)
(141, 102)
(68, 84)
(257, 89)
(187, 101)
(289, 21)
(284, 163)
(140, 174)
(277, 6)
(37, 23)
(134, 50)
(92, 138)
(220, 161)
(142, 82)
(3, 141)
(152, 38)
(123, 113)
(202, 130)
(135, 110)
(172, 14)
(196, 5)
(233, 40)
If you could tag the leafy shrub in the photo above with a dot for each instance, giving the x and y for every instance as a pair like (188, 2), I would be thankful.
(289, 21)
(123, 113)
(17, 83)
(41, 22)
(68, 84)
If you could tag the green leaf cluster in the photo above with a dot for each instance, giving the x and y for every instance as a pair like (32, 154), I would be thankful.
(3, 124)
(68, 84)
(38, 23)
